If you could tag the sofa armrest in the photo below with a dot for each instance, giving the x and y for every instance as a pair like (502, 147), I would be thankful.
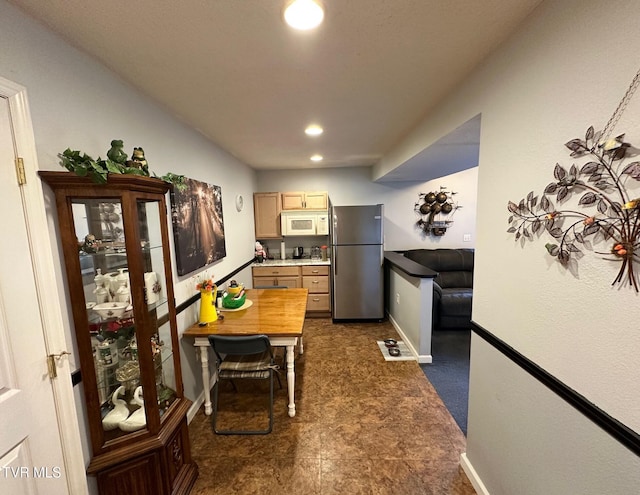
(437, 292)
(435, 306)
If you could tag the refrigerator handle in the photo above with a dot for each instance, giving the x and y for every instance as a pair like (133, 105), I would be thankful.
(334, 260)
(334, 237)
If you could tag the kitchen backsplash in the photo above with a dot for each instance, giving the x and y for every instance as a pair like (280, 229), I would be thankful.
(273, 246)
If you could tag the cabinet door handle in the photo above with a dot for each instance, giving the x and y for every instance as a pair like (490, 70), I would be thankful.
(315, 299)
(315, 282)
(314, 271)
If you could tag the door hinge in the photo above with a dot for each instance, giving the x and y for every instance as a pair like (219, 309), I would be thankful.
(51, 363)
(22, 178)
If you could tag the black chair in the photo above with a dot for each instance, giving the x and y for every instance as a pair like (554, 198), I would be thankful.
(243, 357)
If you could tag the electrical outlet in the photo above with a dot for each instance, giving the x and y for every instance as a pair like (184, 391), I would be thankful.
(397, 298)
(466, 238)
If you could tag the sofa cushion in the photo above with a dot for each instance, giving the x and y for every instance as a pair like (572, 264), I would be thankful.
(454, 266)
(456, 302)
(455, 280)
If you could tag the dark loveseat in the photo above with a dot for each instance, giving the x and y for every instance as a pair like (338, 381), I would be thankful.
(452, 288)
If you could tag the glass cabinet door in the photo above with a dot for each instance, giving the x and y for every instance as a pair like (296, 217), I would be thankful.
(160, 339)
(103, 257)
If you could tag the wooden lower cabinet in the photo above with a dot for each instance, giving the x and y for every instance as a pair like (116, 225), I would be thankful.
(181, 471)
(312, 277)
(316, 279)
(277, 276)
(140, 476)
(151, 469)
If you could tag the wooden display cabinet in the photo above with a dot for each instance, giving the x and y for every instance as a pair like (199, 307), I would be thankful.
(115, 244)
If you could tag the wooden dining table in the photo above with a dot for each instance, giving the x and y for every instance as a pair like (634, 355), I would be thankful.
(277, 313)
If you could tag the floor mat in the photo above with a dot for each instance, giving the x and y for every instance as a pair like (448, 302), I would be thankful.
(405, 353)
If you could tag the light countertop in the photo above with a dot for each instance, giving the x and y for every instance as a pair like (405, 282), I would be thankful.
(292, 262)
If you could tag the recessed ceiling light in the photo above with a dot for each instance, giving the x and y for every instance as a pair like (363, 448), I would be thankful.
(316, 158)
(313, 130)
(304, 14)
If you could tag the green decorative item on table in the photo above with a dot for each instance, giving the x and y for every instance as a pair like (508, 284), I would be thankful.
(230, 301)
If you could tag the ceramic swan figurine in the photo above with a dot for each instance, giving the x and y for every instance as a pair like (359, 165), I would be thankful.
(118, 414)
(138, 419)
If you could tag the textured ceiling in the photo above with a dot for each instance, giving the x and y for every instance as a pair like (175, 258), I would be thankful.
(234, 71)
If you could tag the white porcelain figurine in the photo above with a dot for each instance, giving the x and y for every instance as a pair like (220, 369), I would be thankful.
(118, 414)
(138, 419)
(100, 280)
(123, 294)
(102, 295)
(122, 279)
(151, 287)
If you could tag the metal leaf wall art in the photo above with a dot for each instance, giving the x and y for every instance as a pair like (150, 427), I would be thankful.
(610, 215)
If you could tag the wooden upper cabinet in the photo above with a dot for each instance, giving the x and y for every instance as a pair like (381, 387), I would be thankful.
(266, 209)
(301, 200)
(317, 200)
(293, 201)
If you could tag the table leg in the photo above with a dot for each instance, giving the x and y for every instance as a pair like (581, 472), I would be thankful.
(204, 360)
(291, 379)
(301, 346)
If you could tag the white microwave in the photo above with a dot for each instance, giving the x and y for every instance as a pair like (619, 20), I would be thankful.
(304, 223)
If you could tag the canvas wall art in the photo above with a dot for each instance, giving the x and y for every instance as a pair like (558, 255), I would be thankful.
(198, 226)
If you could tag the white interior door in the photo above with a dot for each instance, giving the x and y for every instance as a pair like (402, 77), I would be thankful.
(31, 458)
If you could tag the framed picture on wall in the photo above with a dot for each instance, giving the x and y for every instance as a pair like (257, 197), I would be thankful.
(198, 226)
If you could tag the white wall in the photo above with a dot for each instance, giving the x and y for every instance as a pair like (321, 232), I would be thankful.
(526, 440)
(353, 186)
(409, 309)
(566, 69)
(77, 103)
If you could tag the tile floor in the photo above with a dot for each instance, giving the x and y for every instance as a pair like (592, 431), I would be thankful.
(363, 426)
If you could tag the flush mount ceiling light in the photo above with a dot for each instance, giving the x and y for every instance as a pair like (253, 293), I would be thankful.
(304, 14)
(313, 130)
(316, 158)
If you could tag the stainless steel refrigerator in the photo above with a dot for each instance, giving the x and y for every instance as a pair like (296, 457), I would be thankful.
(357, 262)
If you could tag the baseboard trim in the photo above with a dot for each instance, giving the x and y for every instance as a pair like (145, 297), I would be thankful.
(421, 358)
(471, 473)
(195, 407)
(622, 433)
